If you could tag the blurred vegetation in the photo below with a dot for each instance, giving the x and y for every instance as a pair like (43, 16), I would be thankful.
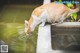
(12, 28)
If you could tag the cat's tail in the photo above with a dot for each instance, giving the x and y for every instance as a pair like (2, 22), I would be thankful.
(75, 10)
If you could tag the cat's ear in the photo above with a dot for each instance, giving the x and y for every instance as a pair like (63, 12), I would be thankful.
(26, 23)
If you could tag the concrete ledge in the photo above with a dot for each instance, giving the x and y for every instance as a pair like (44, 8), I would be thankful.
(44, 39)
(68, 24)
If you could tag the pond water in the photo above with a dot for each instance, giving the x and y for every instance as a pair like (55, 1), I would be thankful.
(13, 35)
(12, 29)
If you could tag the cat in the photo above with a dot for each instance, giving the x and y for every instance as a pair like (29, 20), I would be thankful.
(51, 12)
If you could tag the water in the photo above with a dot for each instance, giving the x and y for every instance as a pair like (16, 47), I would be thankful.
(12, 29)
(13, 34)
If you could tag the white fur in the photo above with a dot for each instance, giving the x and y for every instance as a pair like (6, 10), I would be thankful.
(26, 25)
(44, 17)
(41, 19)
(35, 22)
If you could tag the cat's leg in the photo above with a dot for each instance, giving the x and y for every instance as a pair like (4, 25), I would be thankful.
(42, 24)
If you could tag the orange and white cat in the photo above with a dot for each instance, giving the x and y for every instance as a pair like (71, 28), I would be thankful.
(50, 12)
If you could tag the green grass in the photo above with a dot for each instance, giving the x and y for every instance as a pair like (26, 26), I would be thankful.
(12, 29)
